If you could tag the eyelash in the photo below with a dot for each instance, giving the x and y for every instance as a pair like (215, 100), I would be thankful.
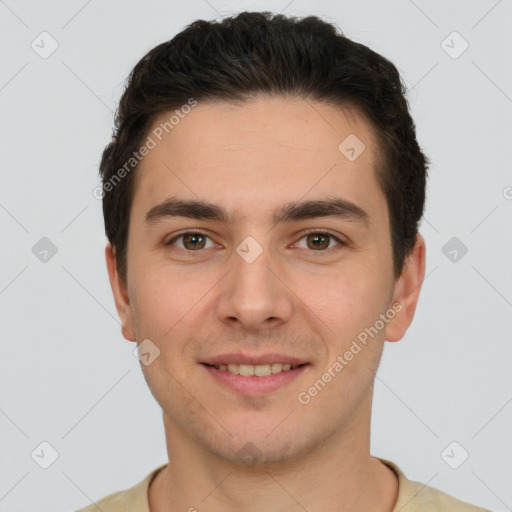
(340, 242)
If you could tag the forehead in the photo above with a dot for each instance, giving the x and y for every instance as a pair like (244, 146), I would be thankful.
(252, 156)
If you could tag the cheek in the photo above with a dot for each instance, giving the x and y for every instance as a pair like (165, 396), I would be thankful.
(346, 301)
(170, 305)
(160, 301)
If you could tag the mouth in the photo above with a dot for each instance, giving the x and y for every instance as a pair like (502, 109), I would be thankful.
(257, 379)
(258, 370)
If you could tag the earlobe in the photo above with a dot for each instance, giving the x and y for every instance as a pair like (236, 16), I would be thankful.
(407, 291)
(120, 293)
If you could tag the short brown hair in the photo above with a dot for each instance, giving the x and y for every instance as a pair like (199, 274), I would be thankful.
(258, 52)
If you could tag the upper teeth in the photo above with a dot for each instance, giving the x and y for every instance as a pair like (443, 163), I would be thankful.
(259, 370)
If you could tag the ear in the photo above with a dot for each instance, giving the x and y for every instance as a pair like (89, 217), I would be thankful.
(120, 294)
(407, 291)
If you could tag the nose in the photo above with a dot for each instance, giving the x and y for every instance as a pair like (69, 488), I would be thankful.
(254, 296)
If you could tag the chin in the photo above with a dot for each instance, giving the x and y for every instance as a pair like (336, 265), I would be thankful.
(258, 448)
(258, 455)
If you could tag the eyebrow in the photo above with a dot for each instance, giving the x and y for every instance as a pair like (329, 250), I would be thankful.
(294, 211)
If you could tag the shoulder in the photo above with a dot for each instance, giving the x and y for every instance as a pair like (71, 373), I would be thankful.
(115, 502)
(134, 498)
(430, 499)
(417, 497)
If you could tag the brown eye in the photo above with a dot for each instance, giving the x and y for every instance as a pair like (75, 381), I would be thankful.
(194, 241)
(191, 241)
(318, 241)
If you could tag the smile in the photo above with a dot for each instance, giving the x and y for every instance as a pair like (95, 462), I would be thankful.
(259, 370)
(255, 380)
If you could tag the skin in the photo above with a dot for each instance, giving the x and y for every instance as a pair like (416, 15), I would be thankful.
(294, 299)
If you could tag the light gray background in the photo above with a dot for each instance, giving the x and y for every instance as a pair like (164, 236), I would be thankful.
(69, 378)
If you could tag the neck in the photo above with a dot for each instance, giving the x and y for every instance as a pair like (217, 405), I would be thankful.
(338, 475)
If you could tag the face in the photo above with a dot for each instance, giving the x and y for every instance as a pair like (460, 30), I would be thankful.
(287, 262)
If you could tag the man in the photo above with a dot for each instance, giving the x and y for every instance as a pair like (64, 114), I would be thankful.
(262, 195)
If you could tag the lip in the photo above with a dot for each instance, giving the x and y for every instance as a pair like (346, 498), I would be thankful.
(255, 386)
(253, 360)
